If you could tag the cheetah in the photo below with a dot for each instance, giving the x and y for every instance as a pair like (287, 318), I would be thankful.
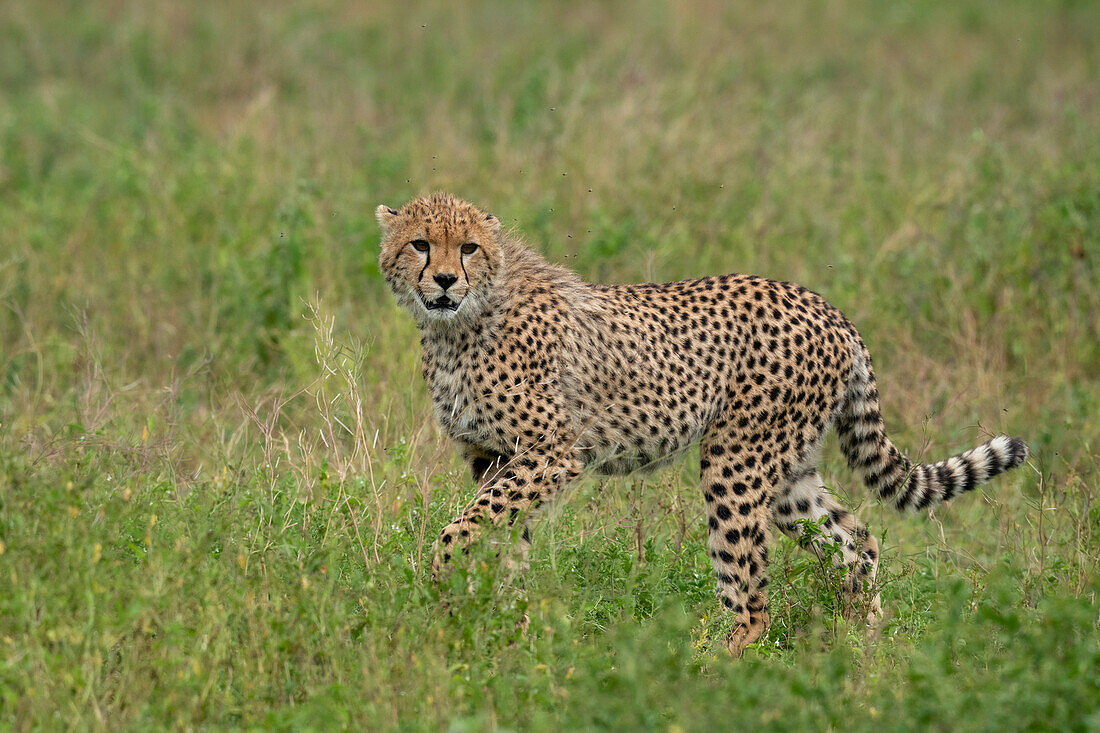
(538, 376)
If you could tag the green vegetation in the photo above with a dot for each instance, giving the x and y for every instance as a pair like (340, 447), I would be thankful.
(219, 475)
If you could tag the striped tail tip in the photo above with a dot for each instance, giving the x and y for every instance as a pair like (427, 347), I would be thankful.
(1014, 449)
(930, 484)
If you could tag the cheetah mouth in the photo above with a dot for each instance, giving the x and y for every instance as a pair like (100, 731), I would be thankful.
(441, 303)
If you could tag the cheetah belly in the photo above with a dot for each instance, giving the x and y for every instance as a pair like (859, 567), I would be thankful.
(609, 449)
(623, 426)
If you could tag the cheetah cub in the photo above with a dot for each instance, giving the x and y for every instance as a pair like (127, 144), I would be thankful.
(538, 375)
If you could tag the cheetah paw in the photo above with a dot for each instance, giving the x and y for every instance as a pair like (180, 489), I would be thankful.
(741, 635)
(737, 640)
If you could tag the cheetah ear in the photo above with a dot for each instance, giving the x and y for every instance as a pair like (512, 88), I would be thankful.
(492, 222)
(386, 216)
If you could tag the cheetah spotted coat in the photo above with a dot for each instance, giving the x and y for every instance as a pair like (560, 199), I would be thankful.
(538, 375)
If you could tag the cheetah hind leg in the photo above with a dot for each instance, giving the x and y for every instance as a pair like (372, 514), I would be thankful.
(737, 519)
(806, 498)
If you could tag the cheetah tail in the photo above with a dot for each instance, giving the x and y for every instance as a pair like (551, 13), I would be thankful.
(889, 473)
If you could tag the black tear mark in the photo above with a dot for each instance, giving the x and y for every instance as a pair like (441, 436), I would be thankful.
(426, 264)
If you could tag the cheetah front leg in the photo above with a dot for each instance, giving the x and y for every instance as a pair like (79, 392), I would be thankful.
(530, 478)
(737, 479)
(484, 464)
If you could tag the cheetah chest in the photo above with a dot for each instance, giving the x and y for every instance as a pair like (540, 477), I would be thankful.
(456, 384)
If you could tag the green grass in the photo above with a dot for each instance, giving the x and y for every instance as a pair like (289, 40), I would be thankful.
(219, 475)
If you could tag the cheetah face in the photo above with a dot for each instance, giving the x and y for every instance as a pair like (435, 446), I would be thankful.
(439, 255)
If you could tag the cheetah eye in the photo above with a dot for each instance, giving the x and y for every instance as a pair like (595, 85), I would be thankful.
(419, 245)
(469, 248)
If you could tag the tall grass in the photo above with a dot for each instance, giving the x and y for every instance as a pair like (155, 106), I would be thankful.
(219, 475)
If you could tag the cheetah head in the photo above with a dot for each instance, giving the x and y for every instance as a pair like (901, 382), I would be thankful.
(439, 256)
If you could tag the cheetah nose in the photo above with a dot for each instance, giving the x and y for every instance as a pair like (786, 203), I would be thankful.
(445, 279)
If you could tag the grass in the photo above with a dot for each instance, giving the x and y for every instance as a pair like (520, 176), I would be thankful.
(219, 475)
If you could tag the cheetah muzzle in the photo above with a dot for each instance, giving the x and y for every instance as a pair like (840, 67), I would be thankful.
(441, 303)
(538, 375)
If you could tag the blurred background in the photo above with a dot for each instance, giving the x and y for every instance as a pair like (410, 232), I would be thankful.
(218, 467)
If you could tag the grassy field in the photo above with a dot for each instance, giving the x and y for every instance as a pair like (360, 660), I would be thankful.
(219, 474)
